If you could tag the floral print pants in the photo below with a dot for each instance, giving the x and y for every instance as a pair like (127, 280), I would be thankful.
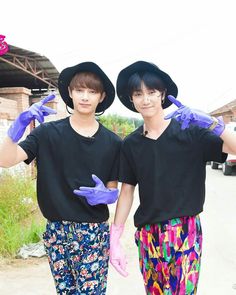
(169, 256)
(78, 256)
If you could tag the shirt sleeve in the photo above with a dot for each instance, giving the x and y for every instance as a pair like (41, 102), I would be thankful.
(212, 147)
(115, 167)
(31, 143)
(126, 171)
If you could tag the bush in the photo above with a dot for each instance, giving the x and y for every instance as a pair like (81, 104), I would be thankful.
(19, 221)
(120, 125)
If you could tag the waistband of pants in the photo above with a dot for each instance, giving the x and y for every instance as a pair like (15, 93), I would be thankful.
(71, 225)
(167, 224)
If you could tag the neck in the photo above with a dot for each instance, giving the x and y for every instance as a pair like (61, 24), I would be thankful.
(81, 120)
(155, 126)
(155, 122)
(84, 125)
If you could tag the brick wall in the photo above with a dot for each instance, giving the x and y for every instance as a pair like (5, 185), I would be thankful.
(234, 112)
(13, 101)
(228, 112)
(228, 116)
(20, 95)
(8, 109)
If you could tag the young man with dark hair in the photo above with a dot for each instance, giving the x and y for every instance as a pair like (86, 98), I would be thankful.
(166, 157)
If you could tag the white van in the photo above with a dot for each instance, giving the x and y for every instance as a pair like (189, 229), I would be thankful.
(230, 163)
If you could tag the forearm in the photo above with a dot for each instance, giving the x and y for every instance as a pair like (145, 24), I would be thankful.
(117, 256)
(229, 139)
(124, 204)
(7, 153)
(10, 153)
(112, 184)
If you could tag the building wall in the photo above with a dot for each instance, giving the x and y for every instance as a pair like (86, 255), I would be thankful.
(228, 116)
(13, 101)
(228, 112)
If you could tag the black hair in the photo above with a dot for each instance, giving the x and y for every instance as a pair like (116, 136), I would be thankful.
(150, 80)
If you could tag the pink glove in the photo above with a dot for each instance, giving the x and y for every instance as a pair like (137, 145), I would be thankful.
(117, 257)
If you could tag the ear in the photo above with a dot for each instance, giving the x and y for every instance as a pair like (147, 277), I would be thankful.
(102, 97)
(163, 95)
(70, 94)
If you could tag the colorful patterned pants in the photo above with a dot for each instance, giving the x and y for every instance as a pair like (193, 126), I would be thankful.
(78, 255)
(169, 256)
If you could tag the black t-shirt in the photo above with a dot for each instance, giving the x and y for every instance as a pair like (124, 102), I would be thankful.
(170, 171)
(65, 161)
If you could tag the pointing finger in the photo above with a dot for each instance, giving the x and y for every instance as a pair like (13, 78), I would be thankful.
(47, 111)
(96, 179)
(174, 101)
(48, 98)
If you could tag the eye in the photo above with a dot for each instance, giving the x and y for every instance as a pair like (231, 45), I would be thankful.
(92, 91)
(137, 94)
(151, 92)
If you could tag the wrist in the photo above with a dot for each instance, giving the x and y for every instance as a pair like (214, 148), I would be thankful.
(217, 126)
(18, 127)
(117, 228)
(16, 131)
(213, 124)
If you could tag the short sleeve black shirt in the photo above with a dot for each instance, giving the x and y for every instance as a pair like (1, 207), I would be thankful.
(170, 171)
(65, 161)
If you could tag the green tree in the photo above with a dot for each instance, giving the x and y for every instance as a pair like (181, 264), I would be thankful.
(119, 124)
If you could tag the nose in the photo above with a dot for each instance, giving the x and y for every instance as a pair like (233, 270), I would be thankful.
(84, 95)
(146, 98)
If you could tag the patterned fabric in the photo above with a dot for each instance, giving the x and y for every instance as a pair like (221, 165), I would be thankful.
(169, 256)
(78, 256)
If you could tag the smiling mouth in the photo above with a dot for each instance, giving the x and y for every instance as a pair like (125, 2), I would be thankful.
(146, 108)
(84, 105)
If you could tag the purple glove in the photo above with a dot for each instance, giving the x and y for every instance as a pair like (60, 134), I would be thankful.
(36, 111)
(98, 194)
(188, 116)
(117, 257)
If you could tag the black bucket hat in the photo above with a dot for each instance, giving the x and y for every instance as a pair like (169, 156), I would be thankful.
(67, 74)
(143, 66)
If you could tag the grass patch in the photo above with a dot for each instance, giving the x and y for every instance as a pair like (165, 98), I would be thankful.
(20, 220)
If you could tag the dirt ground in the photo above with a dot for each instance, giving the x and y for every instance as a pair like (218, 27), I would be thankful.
(32, 276)
(218, 270)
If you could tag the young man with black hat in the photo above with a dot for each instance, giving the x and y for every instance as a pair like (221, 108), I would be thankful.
(157, 157)
(77, 171)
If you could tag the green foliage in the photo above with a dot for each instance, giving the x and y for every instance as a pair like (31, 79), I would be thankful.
(120, 125)
(18, 206)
